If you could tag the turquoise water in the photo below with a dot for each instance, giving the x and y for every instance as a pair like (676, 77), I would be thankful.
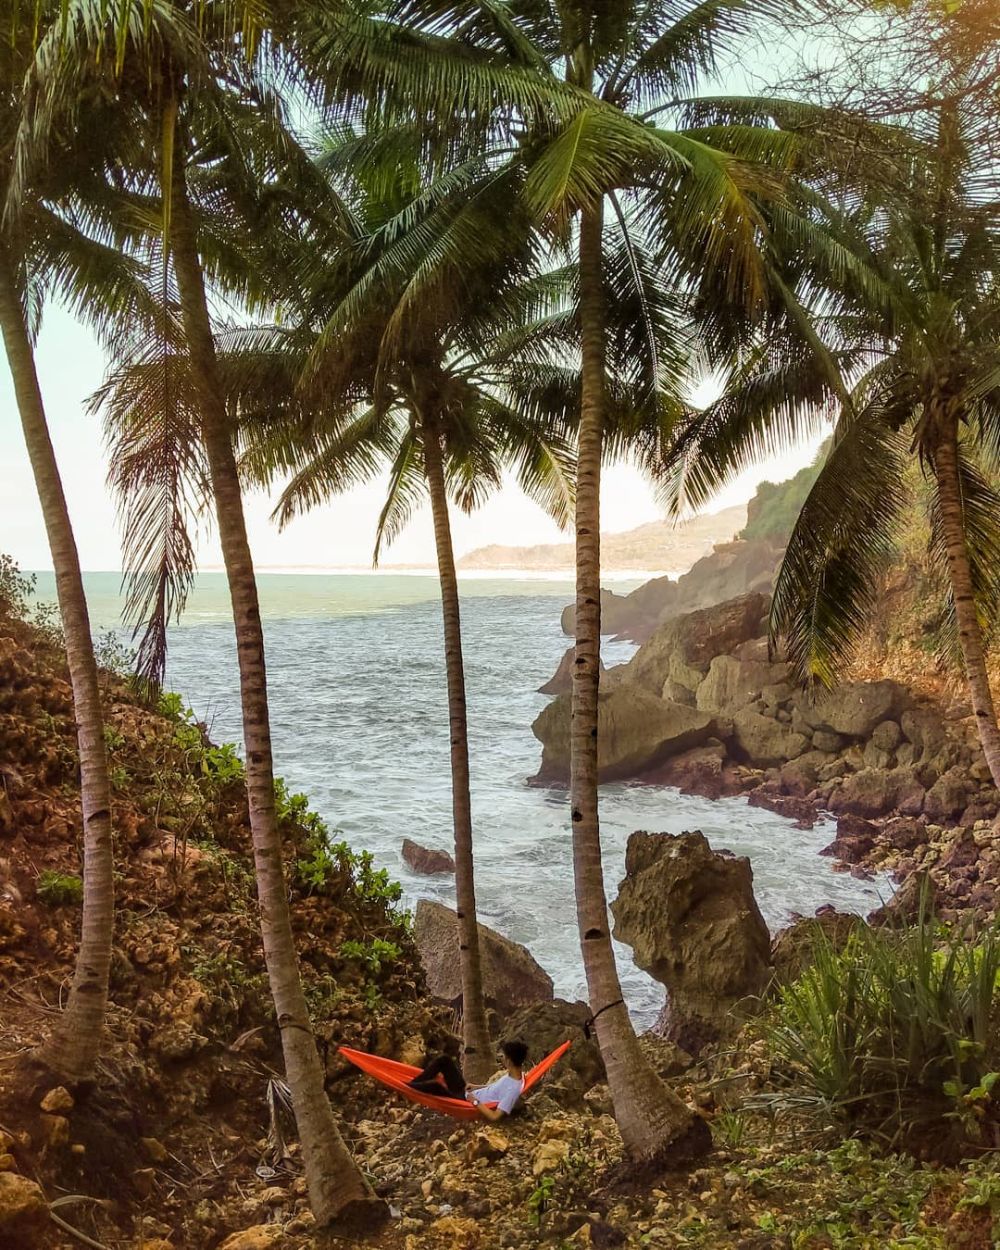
(359, 714)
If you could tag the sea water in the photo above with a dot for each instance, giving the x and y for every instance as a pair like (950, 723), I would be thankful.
(360, 720)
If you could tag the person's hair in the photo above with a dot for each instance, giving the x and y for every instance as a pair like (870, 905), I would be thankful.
(516, 1052)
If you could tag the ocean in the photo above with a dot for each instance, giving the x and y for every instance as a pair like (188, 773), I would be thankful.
(359, 717)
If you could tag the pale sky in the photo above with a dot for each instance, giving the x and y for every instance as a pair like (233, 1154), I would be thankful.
(70, 366)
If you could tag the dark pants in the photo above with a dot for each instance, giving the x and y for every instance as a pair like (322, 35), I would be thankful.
(446, 1068)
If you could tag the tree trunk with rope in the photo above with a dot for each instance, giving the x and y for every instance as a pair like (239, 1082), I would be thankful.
(74, 1044)
(478, 1062)
(945, 458)
(340, 1196)
(653, 1121)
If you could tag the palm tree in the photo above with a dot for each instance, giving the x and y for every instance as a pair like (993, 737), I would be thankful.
(199, 110)
(713, 203)
(915, 373)
(60, 240)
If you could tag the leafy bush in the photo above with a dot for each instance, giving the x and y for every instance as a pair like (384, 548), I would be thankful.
(113, 655)
(16, 588)
(59, 889)
(371, 954)
(893, 1033)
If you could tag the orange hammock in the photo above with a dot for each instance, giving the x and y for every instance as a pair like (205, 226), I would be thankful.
(398, 1076)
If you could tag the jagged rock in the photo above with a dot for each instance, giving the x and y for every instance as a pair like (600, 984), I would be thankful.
(489, 1144)
(904, 833)
(57, 1099)
(823, 740)
(665, 1057)
(511, 976)
(635, 732)
(561, 681)
(855, 708)
(698, 771)
(549, 1156)
(766, 742)
(426, 860)
(948, 796)
(683, 648)
(24, 1213)
(924, 728)
(873, 792)
(731, 684)
(887, 735)
(544, 1026)
(693, 923)
(794, 947)
(800, 776)
(855, 840)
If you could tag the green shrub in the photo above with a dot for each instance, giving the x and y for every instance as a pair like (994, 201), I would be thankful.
(16, 588)
(59, 889)
(892, 1035)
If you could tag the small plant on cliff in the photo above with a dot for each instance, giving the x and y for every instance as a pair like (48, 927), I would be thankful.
(372, 955)
(892, 1034)
(16, 588)
(59, 889)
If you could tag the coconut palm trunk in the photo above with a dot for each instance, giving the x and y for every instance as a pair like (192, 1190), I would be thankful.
(338, 1193)
(478, 1058)
(653, 1121)
(71, 1050)
(970, 635)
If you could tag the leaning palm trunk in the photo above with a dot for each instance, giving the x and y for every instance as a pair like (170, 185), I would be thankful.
(970, 636)
(72, 1049)
(651, 1118)
(338, 1193)
(478, 1059)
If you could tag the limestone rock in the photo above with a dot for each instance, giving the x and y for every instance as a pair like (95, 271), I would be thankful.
(489, 1144)
(549, 1156)
(698, 771)
(948, 796)
(765, 742)
(855, 708)
(426, 860)
(887, 735)
(544, 1026)
(511, 976)
(24, 1214)
(874, 792)
(636, 731)
(690, 916)
(855, 840)
(731, 684)
(794, 947)
(57, 1100)
(684, 647)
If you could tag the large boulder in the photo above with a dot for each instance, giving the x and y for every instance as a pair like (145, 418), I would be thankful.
(731, 684)
(873, 792)
(856, 708)
(545, 1026)
(683, 648)
(690, 916)
(764, 741)
(635, 732)
(794, 948)
(511, 976)
(426, 860)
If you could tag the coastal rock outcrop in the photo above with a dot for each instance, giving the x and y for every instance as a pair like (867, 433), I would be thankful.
(511, 976)
(636, 731)
(426, 860)
(690, 916)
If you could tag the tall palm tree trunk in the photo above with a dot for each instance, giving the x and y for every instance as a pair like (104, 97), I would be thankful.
(72, 1049)
(478, 1058)
(970, 636)
(338, 1192)
(652, 1119)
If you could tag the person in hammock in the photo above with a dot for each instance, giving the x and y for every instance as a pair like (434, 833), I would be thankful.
(505, 1091)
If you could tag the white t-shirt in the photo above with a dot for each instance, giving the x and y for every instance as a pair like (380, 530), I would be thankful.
(505, 1092)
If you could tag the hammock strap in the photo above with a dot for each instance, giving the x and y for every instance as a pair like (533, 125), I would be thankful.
(588, 1025)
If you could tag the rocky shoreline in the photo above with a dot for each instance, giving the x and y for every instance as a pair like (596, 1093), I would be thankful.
(705, 706)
